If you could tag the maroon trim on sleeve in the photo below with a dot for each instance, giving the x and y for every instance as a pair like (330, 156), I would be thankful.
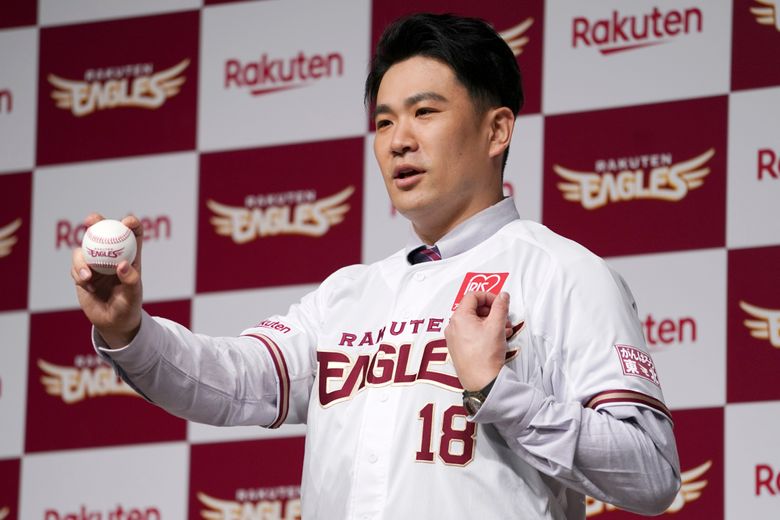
(618, 397)
(284, 377)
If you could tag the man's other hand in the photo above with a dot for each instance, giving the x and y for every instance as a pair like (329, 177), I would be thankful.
(111, 302)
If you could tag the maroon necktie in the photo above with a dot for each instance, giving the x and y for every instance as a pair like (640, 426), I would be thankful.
(424, 254)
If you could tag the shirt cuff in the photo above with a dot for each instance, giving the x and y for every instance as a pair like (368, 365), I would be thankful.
(138, 355)
(510, 401)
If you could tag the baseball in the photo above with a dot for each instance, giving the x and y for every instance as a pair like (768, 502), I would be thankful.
(106, 244)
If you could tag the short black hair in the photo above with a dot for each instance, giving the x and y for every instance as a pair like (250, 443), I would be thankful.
(481, 60)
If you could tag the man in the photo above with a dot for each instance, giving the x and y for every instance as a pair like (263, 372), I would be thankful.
(560, 397)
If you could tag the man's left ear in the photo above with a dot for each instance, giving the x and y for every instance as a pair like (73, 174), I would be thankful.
(502, 122)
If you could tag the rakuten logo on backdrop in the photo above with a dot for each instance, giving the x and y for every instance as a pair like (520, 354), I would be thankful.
(620, 32)
(69, 234)
(135, 86)
(268, 74)
(768, 164)
(117, 513)
(272, 76)
(668, 331)
(767, 480)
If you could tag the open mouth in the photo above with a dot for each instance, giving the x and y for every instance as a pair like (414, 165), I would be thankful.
(403, 173)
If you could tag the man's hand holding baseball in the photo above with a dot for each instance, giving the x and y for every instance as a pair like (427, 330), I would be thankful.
(111, 303)
(476, 338)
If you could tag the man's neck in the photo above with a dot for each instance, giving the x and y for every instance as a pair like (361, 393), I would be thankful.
(432, 230)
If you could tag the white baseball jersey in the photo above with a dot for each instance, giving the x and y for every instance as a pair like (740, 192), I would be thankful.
(362, 360)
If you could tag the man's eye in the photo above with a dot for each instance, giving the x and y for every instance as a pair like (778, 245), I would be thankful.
(382, 123)
(424, 111)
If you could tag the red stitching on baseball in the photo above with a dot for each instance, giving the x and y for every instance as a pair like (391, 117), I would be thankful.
(108, 240)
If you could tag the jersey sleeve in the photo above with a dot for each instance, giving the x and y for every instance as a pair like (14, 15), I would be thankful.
(290, 341)
(590, 323)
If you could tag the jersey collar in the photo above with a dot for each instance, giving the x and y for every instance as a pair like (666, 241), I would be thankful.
(471, 232)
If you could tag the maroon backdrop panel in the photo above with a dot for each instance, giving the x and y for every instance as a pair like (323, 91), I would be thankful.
(118, 88)
(638, 179)
(280, 215)
(74, 400)
(264, 479)
(753, 357)
(755, 45)
(15, 13)
(15, 200)
(9, 489)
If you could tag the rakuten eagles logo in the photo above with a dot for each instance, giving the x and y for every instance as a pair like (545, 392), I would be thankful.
(87, 379)
(288, 213)
(619, 32)
(134, 86)
(654, 176)
(278, 503)
(766, 12)
(268, 74)
(692, 487)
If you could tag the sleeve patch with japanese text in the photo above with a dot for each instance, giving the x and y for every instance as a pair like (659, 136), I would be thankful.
(635, 362)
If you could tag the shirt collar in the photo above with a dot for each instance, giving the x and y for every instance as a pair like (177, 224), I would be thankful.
(471, 231)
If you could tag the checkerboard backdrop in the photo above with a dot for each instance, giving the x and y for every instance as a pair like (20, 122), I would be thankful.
(651, 134)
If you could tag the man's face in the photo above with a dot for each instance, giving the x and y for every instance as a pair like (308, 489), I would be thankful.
(433, 147)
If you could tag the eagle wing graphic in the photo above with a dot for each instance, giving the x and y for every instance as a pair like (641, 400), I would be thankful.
(168, 80)
(691, 488)
(53, 378)
(766, 15)
(229, 217)
(759, 328)
(332, 206)
(220, 509)
(572, 190)
(693, 170)
(65, 89)
(515, 36)
(7, 240)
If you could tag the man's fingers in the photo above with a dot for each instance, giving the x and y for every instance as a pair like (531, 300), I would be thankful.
(499, 311)
(127, 274)
(79, 270)
(93, 218)
(137, 228)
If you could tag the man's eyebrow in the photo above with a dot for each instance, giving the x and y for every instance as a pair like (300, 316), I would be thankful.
(411, 101)
(423, 96)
